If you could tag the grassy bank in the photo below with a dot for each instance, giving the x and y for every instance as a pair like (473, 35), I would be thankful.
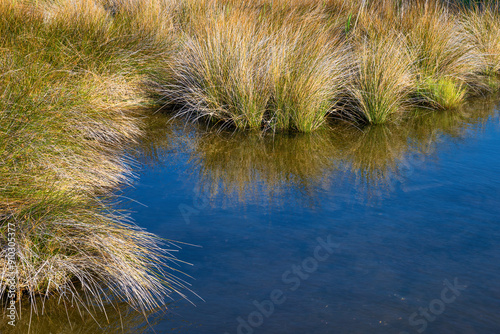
(74, 75)
(70, 79)
(292, 65)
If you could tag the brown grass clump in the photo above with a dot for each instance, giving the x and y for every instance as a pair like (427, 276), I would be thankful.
(69, 80)
(385, 79)
(238, 67)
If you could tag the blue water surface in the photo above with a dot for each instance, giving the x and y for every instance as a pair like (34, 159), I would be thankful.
(412, 233)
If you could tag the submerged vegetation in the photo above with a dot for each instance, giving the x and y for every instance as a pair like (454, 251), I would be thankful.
(75, 75)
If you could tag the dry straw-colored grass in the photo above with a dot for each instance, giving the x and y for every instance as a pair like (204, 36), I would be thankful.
(244, 67)
(72, 72)
(69, 78)
(448, 66)
(288, 65)
(385, 79)
(483, 32)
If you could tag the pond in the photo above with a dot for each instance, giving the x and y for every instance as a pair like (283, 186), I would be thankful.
(377, 230)
(386, 229)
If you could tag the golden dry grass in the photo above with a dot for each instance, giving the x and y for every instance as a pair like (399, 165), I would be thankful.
(385, 78)
(73, 72)
(241, 68)
(70, 80)
(288, 65)
(483, 32)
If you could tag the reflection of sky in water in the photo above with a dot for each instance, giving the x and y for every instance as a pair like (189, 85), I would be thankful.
(409, 206)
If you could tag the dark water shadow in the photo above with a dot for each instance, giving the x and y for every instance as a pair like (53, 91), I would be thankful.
(63, 316)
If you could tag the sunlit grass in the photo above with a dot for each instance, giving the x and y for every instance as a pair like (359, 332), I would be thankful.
(483, 31)
(287, 65)
(448, 65)
(70, 76)
(309, 75)
(385, 78)
(74, 73)
(443, 93)
(239, 67)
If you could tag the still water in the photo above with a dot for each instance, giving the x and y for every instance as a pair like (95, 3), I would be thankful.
(388, 229)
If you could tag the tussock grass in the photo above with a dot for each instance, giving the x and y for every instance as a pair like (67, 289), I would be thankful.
(309, 74)
(221, 71)
(483, 31)
(73, 75)
(446, 62)
(70, 79)
(241, 69)
(385, 79)
(287, 65)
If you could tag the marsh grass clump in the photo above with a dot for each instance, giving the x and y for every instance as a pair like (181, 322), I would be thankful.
(309, 74)
(242, 70)
(385, 79)
(69, 84)
(483, 30)
(74, 75)
(83, 253)
(448, 66)
(220, 72)
(287, 65)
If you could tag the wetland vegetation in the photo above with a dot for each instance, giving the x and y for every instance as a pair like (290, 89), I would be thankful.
(77, 76)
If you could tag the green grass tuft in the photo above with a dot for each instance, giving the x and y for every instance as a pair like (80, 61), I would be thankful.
(443, 93)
